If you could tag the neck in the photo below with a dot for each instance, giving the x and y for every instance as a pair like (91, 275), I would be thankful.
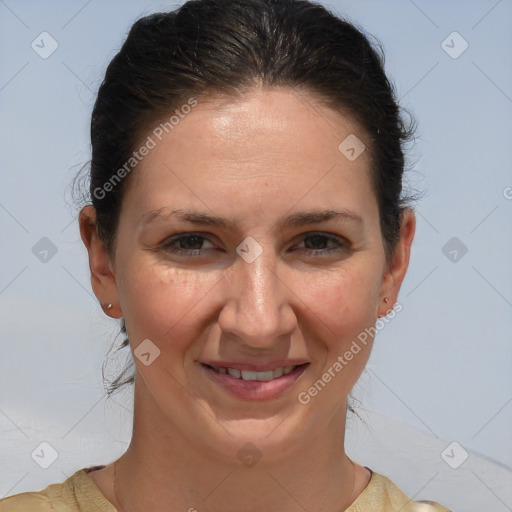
(163, 470)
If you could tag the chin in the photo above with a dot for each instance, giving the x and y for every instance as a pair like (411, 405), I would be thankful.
(264, 440)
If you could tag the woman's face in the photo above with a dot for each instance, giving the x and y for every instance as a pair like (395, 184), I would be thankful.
(257, 278)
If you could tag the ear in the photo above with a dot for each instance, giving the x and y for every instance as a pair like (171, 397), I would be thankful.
(397, 267)
(103, 279)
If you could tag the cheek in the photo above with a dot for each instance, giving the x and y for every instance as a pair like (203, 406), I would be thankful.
(343, 306)
(162, 303)
(344, 301)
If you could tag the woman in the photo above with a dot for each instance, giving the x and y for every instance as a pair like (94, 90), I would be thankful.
(247, 225)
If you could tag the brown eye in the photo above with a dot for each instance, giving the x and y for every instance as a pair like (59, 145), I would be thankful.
(185, 244)
(318, 244)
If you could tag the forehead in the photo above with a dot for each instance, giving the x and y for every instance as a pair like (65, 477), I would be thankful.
(273, 138)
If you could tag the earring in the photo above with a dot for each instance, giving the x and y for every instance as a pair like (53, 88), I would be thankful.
(386, 300)
(108, 306)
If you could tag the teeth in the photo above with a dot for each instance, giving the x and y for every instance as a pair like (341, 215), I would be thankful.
(278, 372)
(249, 375)
(268, 375)
(234, 373)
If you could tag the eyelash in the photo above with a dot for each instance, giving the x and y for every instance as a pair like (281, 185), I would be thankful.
(169, 246)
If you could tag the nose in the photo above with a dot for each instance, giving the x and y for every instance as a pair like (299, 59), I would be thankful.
(257, 306)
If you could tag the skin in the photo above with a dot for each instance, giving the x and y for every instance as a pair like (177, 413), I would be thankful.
(253, 160)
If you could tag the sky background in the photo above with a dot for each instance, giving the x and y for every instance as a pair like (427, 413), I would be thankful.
(440, 371)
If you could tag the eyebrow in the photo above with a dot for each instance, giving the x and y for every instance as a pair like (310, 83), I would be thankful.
(293, 220)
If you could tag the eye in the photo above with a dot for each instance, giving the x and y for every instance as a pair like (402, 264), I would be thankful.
(189, 244)
(317, 243)
(192, 244)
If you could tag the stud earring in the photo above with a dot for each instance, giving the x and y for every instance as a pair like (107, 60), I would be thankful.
(108, 306)
(386, 300)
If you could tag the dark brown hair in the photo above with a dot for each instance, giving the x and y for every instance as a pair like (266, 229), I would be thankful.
(227, 47)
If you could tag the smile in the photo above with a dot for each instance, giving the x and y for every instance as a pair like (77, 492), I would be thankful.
(246, 383)
(250, 375)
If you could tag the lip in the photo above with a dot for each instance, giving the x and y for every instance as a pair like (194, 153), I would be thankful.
(254, 389)
(262, 367)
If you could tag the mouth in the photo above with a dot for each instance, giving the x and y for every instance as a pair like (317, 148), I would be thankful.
(267, 375)
(250, 384)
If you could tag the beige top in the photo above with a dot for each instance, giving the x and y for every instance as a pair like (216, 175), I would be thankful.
(79, 493)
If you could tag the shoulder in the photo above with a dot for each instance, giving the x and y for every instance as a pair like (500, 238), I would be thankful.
(26, 501)
(382, 495)
(40, 501)
(78, 493)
